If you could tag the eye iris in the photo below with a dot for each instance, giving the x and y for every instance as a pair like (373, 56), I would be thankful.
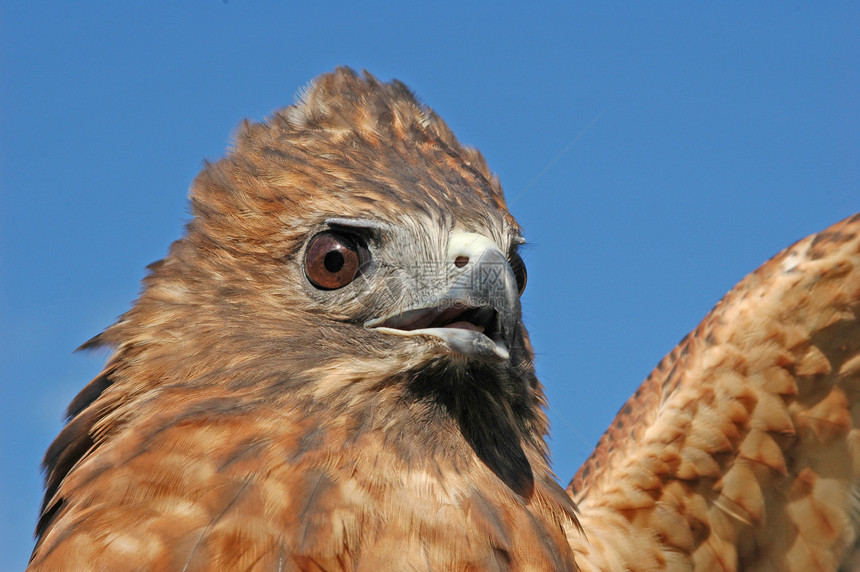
(519, 268)
(334, 261)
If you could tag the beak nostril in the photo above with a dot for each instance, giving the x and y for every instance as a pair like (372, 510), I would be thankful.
(461, 261)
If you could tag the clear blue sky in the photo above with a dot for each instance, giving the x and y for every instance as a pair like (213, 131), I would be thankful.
(654, 152)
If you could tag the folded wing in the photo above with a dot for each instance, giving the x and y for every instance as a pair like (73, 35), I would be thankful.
(741, 451)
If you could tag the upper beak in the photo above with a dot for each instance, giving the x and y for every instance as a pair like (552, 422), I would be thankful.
(477, 309)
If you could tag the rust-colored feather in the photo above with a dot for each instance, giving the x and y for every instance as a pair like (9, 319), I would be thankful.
(250, 421)
(755, 418)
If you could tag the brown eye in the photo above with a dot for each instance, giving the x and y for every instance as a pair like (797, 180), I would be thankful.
(333, 260)
(520, 274)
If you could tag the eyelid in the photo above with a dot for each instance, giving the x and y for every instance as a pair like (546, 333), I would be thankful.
(357, 224)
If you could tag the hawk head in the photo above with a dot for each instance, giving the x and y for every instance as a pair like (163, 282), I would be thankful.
(350, 270)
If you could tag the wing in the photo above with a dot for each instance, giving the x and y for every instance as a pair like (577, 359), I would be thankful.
(741, 451)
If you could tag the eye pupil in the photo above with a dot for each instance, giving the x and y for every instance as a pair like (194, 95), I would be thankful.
(333, 261)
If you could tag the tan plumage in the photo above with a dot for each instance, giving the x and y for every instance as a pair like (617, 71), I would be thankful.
(261, 412)
(742, 449)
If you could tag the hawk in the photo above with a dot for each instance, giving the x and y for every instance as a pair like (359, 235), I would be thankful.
(329, 371)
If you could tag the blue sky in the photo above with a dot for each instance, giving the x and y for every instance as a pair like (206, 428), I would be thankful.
(654, 152)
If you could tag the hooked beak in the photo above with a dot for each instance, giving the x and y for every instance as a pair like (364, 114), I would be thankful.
(477, 314)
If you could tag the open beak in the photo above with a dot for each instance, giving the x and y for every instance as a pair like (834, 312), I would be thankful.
(477, 314)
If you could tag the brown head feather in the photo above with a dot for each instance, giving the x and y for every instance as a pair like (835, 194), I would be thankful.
(243, 403)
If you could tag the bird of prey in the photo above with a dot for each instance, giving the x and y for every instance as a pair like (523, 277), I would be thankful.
(329, 371)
